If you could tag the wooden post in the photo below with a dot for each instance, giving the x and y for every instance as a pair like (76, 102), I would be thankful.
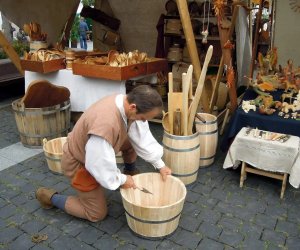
(64, 41)
(191, 45)
(10, 51)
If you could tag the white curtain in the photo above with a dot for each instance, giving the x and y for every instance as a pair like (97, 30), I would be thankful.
(243, 47)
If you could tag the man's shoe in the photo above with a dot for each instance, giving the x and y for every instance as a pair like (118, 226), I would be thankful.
(44, 196)
(131, 172)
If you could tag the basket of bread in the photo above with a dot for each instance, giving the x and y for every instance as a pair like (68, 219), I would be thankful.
(40, 58)
(43, 60)
(116, 65)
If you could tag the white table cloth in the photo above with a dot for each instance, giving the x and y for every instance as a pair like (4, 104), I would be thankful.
(84, 90)
(267, 155)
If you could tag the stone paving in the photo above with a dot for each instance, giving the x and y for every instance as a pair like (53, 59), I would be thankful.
(217, 213)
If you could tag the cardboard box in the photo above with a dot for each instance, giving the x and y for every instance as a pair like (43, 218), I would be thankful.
(43, 67)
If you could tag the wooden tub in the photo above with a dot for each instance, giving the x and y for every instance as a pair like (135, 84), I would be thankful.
(154, 215)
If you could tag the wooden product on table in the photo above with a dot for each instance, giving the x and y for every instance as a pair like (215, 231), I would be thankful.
(36, 45)
(175, 53)
(70, 57)
(155, 214)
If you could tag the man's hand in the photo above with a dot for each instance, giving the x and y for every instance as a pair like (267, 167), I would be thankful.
(129, 183)
(165, 171)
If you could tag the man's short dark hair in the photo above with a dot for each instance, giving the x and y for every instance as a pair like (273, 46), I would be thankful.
(145, 98)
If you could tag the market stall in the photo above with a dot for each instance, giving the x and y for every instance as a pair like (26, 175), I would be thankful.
(255, 119)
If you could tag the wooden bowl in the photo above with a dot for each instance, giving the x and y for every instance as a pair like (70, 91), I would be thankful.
(154, 215)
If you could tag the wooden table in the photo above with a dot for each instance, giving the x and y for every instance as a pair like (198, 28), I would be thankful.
(84, 90)
(265, 157)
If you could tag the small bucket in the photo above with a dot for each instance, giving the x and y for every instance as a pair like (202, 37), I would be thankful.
(175, 54)
(70, 57)
(36, 45)
(174, 26)
(208, 134)
(34, 124)
(182, 154)
(53, 151)
(154, 215)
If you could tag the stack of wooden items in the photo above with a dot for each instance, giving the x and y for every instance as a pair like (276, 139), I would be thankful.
(182, 106)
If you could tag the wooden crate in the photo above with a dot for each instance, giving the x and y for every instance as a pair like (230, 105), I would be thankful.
(109, 72)
(43, 67)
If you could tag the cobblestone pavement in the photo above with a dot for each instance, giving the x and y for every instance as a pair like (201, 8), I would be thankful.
(217, 213)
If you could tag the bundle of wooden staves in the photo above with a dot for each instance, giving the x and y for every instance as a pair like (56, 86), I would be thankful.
(182, 106)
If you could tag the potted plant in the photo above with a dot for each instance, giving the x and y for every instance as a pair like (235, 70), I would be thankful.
(74, 34)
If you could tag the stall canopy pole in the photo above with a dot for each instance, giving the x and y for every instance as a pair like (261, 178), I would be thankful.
(191, 45)
(10, 51)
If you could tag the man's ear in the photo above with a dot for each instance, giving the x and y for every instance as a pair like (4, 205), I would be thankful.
(132, 107)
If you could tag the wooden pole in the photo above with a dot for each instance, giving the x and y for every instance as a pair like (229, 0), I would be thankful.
(191, 45)
(10, 51)
(67, 28)
(254, 48)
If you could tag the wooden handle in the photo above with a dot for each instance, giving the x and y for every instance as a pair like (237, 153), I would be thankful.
(170, 80)
(200, 118)
(189, 74)
(185, 103)
(170, 101)
(44, 141)
(186, 87)
(195, 103)
(177, 122)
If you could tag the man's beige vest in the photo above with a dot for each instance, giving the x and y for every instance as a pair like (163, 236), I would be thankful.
(103, 119)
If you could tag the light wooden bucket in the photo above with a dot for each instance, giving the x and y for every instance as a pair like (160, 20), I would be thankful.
(208, 132)
(119, 158)
(36, 45)
(182, 154)
(35, 124)
(53, 151)
(154, 215)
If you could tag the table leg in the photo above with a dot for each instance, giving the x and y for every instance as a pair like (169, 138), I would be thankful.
(243, 174)
(283, 185)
